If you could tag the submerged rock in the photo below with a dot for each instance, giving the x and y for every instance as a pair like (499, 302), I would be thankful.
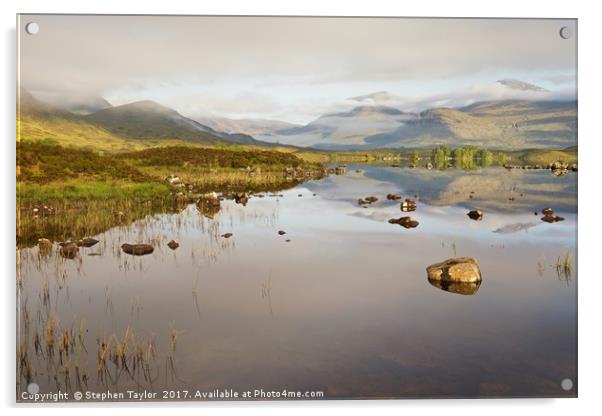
(137, 249)
(227, 235)
(406, 222)
(371, 199)
(476, 215)
(173, 244)
(460, 269)
(68, 249)
(281, 232)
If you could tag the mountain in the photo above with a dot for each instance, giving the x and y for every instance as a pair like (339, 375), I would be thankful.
(149, 120)
(252, 127)
(349, 127)
(509, 124)
(116, 128)
(516, 84)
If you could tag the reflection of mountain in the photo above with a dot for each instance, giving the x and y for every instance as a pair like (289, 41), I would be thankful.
(492, 187)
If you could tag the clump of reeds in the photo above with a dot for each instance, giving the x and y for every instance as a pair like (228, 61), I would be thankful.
(564, 266)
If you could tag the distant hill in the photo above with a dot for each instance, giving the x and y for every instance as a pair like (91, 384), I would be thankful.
(75, 103)
(348, 127)
(252, 127)
(502, 124)
(137, 124)
(511, 124)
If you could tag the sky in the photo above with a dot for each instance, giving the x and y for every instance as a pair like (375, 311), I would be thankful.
(292, 68)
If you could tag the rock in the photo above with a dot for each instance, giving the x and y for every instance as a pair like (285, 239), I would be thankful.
(476, 215)
(547, 211)
(362, 202)
(460, 269)
(300, 195)
(137, 249)
(406, 222)
(393, 197)
(173, 180)
(287, 240)
(227, 235)
(429, 166)
(408, 205)
(173, 244)
(281, 232)
(44, 246)
(574, 167)
(87, 242)
(68, 249)
(411, 166)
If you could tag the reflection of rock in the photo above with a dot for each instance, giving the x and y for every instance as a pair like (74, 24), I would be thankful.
(476, 215)
(456, 287)
(137, 249)
(406, 222)
(241, 198)
(551, 218)
(408, 205)
(209, 205)
(44, 246)
(173, 244)
(68, 249)
(371, 199)
(460, 269)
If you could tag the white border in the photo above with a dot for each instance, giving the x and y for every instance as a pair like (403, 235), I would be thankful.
(590, 146)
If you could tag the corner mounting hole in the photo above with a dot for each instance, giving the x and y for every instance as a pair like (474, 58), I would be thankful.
(32, 28)
(566, 384)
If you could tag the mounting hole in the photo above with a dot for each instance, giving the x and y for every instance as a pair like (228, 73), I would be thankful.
(33, 388)
(566, 384)
(565, 32)
(32, 28)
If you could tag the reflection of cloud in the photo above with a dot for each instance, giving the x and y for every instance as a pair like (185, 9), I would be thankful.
(513, 228)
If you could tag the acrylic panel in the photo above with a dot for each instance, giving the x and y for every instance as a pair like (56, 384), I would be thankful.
(295, 208)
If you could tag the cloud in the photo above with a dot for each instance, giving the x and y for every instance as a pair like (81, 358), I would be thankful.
(289, 66)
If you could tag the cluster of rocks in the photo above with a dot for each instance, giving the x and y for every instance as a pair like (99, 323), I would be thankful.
(337, 170)
(558, 168)
(68, 248)
(42, 211)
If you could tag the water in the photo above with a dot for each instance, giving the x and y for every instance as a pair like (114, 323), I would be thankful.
(344, 307)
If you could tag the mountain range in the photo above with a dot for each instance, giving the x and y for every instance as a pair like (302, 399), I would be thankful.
(377, 121)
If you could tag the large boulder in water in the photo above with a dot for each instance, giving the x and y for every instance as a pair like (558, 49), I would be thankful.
(460, 269)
